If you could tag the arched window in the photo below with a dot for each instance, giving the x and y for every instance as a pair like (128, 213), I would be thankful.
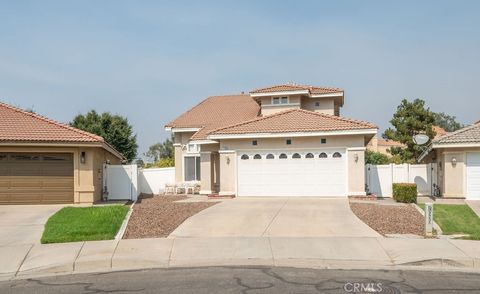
(244, 157)
(337, 155)
(296, 156)
(283, 156)
(270, 156)
(323, 155)
(257, 156)
(309, 155)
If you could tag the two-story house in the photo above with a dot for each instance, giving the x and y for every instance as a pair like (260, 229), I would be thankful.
(284, 140)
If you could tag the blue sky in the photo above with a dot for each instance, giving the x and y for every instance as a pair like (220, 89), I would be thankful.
(150, 61)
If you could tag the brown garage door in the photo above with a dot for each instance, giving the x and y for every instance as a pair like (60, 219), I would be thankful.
(29, 178)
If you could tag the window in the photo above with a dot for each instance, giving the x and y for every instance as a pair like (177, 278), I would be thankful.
(289, 142)
(244, 157)
(296, 156)
(280, 100)
(283, 156)
(192, 168)
(254, 143)
(309, 155)
(193, 148)
(317, 104)
(323, 141)
(257, 156)
(337, 155)
(323, 155)
(270, 156)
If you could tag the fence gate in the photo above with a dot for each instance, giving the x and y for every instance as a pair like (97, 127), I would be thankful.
(379, 178)
(120, 182)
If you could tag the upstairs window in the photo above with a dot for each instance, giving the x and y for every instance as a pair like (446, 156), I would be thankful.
(254, 143)
(289, 142)
(193, 148)
(280, 100)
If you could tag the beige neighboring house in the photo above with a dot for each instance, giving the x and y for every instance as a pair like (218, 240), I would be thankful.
(284, 140)
(44, 162)
(458, 158)
(383, 145)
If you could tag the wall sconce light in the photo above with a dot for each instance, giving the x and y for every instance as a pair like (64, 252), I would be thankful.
(454, 161)
(355, 156)
(228, 160)
(82, 157)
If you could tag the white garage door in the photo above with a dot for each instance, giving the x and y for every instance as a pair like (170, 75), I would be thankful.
(473, 176)
(292, 173)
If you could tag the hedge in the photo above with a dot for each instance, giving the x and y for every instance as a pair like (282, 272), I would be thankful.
(405, 192)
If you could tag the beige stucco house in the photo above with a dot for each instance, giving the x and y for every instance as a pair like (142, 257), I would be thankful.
(458, 158)
(383, 145)
(284, 140)
(43, 161)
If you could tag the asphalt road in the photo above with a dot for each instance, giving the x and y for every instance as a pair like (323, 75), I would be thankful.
(251, 280)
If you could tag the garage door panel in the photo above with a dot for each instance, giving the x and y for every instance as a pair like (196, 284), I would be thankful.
(292, 177)
(473, 176)
(36, 178)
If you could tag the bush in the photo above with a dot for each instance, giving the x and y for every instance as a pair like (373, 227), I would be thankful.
(405, 192)
(372, 157)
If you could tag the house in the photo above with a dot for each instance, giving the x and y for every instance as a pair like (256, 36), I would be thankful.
(458, 157)
(283, 140)
(43, 161)
(383, 145)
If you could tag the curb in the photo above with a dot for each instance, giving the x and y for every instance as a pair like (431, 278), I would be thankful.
(123, 228)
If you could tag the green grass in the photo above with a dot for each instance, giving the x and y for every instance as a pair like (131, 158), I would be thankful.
(456, 219)
(71, 224)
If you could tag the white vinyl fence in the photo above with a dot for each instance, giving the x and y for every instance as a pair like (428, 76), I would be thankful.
(126, 182)
(379, 178)
(153, 180)
(120, 182)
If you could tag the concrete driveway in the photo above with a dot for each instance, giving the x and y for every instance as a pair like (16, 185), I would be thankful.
(23, 224)
(276, 217)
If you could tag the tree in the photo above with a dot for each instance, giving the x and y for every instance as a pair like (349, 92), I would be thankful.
(411, 118)
(447, 122)
(372, 157)
(161, 150)
(115, 129)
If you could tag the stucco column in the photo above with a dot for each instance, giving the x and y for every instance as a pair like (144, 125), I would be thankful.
(356, 171)
(178, 162)
(227, 172)
(206, 171)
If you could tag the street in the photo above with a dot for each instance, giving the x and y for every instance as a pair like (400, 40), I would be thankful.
(251, 280)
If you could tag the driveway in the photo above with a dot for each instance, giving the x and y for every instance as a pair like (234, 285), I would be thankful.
(23, 224)
(276, 217)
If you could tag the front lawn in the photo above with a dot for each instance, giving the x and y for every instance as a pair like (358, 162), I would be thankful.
(456, 219)
(71, 224)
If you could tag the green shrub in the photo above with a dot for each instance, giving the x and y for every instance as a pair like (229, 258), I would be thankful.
(405, 192)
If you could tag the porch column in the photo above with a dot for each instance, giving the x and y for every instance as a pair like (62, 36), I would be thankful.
(227, 172)
(356, 171)
(206, 171)
(178, 162)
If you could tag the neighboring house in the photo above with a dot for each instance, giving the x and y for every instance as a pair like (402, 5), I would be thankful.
(285, 140)
(458, 158)
(43, 161)
(383, 145)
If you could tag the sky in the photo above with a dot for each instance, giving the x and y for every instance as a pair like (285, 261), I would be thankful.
(150, 60)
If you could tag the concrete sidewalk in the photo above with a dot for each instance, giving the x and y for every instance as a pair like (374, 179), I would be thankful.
(336, 252)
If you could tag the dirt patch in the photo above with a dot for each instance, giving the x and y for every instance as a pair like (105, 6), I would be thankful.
(390, 219)
(158, 216)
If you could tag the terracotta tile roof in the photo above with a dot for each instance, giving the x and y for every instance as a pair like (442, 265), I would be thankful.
(389, 143)
(439, 131)
(470, 134)
(17, 125)
(295, 120)
(295, 87)
(216, 112)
